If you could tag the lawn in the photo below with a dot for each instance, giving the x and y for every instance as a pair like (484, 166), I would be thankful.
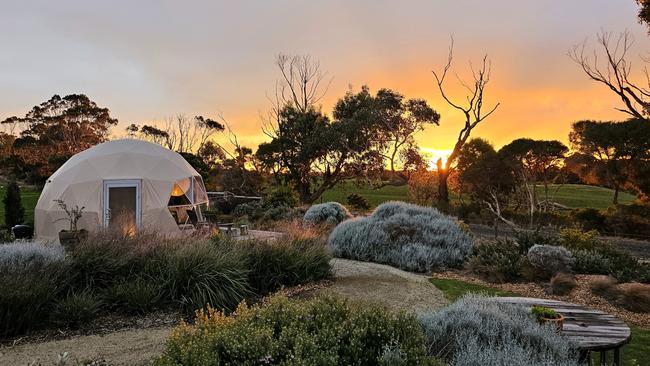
(637, 352)
(29, 197)
(570, 195)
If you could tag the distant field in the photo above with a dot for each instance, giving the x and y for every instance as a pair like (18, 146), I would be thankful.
(571, 195)
(29, 196)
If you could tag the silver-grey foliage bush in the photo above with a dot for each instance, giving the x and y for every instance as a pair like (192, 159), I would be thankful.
(328, 213)
(477, 330)
(408, 236)
(551, 258)
(21, 255)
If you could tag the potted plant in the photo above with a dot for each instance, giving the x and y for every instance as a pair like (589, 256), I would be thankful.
(548, 316)
(70, 238)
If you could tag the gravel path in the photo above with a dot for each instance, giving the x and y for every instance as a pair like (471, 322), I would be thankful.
(386, 285)
(129, 347)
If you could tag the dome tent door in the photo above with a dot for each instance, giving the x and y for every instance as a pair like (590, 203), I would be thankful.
(122, 206)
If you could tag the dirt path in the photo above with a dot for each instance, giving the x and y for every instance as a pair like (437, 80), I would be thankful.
(128, 347)
(386, 285)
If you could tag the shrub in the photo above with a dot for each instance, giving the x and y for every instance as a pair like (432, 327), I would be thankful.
(253, 210)
(550, 259)
(76, 308)
(288, 261)
(562, 284)
(635, 297)
(589, 218)
(575, 239)
(591, 261)
(526, 239)
(404, 235)
(278, 213)
(497, 261)
(280, 196)
(322, 331)
(13, 205)
(20, 256)
(358, 202)
(139, 295)
(328, 213)
(477, 330)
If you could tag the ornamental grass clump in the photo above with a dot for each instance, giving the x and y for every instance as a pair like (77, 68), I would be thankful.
(321, 331)
(479, 330)
(328, 213)
(404, 235)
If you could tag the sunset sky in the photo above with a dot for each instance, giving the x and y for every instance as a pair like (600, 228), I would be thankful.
(147, 60)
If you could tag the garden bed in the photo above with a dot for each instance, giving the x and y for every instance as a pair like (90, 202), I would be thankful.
(582, 294)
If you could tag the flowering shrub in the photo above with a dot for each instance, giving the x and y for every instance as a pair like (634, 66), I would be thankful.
(550, 259)
(408, 236)
(322, 331)
(328, 213)
(478, 330)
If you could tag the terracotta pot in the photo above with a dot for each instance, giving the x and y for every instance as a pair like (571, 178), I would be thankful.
(69, 239)
(558, 323)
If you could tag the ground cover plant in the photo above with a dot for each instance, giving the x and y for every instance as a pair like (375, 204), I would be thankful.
(41, 287)
(328, 213)
(404, 235)
(321, 331)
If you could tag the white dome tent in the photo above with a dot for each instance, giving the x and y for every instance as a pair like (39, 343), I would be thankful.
(125, 185)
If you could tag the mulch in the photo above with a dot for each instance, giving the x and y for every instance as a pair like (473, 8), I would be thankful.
(580, 295)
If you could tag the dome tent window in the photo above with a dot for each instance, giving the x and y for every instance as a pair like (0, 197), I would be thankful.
(80, 181)
(187, 200)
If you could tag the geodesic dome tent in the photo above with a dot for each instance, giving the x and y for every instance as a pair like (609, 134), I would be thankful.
(125, 185)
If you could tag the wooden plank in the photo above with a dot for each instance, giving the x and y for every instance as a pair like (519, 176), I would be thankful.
(589, 329)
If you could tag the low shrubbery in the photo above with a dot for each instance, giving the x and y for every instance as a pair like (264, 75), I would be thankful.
(476, 330)
(404, 235)
(328, 213)
(497, 261)
(621, 220)
(550, 259)
(143, 273)
(322, 331)
(357, 202)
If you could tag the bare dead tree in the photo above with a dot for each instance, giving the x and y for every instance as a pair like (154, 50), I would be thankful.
(472, 109)
(609, 64)
(302, 84)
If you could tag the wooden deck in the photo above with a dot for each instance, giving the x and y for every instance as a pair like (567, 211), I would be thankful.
(589, 329)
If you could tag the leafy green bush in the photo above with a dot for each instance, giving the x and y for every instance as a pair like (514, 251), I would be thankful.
(358, 202)
(408, 236)
(526, 239)
(280, 196)
(13, 205)
(478, 330)
(328, 213)
(288, 261)
(76, 308)
(588, 218)
(322, 331)
(497, 261)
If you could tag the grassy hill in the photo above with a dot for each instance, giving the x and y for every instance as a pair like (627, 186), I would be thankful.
(570, 195)
(29, 197)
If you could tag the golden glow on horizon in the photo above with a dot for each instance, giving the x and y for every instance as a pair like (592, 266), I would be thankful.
(432, 155)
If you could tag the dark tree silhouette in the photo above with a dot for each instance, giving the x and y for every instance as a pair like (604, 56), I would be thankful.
(13, 205)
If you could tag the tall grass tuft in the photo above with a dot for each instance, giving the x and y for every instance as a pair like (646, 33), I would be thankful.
(408, 236)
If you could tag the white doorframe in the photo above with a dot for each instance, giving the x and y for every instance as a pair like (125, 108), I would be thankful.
(112, 183)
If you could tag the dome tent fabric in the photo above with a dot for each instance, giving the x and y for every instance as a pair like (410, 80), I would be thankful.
(83, 180)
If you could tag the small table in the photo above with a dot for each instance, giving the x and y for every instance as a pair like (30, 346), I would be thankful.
(589, 329)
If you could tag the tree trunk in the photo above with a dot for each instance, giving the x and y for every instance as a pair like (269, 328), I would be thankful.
(443, 189)
(616, 189)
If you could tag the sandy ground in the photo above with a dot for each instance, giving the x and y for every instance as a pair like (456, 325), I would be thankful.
(129, 347)
(385, 285)
(357, 280)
